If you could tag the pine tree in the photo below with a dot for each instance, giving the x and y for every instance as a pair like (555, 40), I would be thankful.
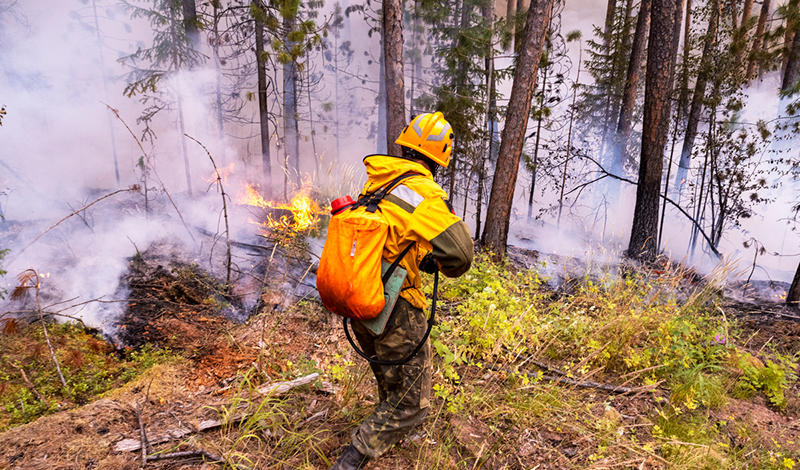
(495, 234)
(658, 87)
(171, 52)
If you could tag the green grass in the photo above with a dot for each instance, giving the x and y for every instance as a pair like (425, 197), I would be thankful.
(89, 365)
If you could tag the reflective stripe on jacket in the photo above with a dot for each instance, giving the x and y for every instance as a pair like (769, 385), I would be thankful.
(418, 210)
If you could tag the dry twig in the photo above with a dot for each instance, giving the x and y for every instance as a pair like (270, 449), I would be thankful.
(32, 387)
(188, 453)
(29, 279)
(132, 188)
(224, 212)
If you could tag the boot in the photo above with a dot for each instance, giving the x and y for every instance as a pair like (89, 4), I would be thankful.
(351, 459)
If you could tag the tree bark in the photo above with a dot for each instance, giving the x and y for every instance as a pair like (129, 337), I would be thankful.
(382, 139)
(658, 87)
(393, 61)
(190, 23)
(632, 81)
(611, 10)
(793, 295)
(747, 10)
(699, 95)
(215, 44)
(791, 67)
(683, 97)
(511, 11)
(757, 41)
(290, 129)
(498, 212)
(263, 112)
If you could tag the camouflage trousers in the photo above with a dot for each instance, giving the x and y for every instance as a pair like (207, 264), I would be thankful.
(405, 390)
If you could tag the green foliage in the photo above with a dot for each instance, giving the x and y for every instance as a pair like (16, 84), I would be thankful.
(88, 363)
(3, 272)
(772, 379)
(607, 64)
(461, 39)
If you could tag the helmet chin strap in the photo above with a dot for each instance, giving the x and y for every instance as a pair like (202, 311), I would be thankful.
(413, 155)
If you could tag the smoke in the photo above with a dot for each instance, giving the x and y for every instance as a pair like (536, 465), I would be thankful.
(588, 222)
(59, 144)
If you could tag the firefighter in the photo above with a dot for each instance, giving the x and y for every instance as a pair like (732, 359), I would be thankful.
(416, 210)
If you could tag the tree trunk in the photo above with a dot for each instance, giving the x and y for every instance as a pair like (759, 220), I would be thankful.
(611, 10)
(793, 296)
(263, 113)
(105, 91)
(290, 126)
(460, 88)
(382, 138)
(181, 120)
(632, 82)
(792, 58)
(658, 87)
(511, 11)
(676, 39)
(683, 97)
(393, 61)
(488, 13)
(706, 68)
(758, 40)
(498, 213)
(190, 23)
(215, 44)
(747, 10)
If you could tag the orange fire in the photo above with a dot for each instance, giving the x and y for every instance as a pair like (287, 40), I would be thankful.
(224, 172)
(304, 210)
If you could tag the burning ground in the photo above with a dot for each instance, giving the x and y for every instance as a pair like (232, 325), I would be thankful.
(551, 367)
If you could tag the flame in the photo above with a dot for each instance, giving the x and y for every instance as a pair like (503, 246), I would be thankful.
(223, 172)
(304, 210)
(251, 197)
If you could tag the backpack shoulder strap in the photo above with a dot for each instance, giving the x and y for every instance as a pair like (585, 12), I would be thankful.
(371, 200)
(395, 263)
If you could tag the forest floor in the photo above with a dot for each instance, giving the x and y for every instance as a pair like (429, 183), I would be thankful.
(650, 369)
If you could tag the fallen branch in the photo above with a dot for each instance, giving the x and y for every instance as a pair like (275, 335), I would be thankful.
(576, 383)
(142, 434)
(32, 387)
(283, 387)
(178, 432)
(188, 453)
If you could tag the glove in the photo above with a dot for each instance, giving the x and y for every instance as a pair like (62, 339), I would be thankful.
(428, 264)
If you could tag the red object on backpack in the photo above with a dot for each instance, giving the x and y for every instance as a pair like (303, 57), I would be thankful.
(341, 204)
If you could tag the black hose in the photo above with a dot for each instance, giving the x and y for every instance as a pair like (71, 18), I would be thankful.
(398, 362)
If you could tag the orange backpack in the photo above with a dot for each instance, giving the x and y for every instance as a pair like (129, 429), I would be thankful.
(349, 275)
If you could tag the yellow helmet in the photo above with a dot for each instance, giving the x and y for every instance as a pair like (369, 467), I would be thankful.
(431, 135)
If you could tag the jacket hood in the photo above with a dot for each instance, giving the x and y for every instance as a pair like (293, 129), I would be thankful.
(382, 169)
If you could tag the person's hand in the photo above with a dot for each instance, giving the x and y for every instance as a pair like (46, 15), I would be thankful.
(428, 264)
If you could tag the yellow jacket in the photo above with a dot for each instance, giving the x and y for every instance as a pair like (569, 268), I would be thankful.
(418, 210)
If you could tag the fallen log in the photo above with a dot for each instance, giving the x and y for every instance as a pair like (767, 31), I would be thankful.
(178, 432)
(283, 387)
